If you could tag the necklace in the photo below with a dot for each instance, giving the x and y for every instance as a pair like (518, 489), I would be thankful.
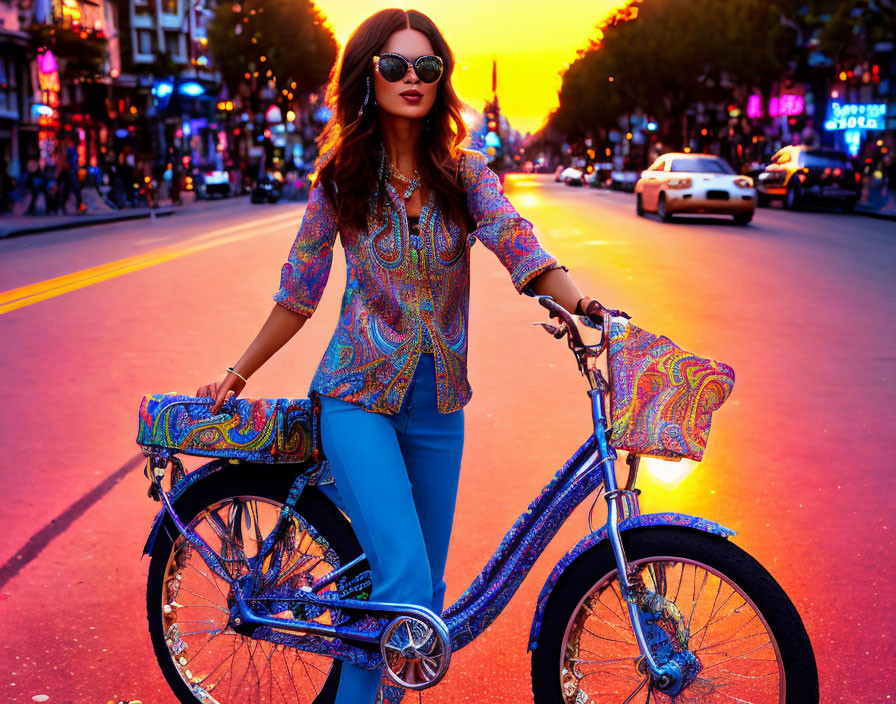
(412, 184)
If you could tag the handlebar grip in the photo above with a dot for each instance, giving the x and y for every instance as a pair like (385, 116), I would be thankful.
(553, 307)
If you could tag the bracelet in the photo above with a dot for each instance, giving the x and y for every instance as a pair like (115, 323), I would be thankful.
(236, 373)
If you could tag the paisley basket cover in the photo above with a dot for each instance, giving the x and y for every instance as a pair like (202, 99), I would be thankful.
(272, 431)
(662, 397)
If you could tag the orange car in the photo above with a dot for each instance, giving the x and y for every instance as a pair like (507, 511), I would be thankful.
(695, 183)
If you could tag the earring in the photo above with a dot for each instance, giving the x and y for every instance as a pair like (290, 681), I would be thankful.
(366, 98)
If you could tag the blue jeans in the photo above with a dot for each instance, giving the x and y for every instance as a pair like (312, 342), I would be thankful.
(397, 476)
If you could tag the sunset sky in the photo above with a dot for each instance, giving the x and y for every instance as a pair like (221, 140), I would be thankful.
(531, 39)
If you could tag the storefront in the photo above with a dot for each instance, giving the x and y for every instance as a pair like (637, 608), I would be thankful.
(17, 138)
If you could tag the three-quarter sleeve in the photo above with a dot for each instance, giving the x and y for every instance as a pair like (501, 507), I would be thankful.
(500, 226)
(304, 275)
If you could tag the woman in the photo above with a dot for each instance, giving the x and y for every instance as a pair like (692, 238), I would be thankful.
(408, 204)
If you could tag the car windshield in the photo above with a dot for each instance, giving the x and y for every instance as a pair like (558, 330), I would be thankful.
(825, 158)
(701, 165)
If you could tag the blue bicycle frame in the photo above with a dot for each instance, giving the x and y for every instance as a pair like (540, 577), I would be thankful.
(590, 466)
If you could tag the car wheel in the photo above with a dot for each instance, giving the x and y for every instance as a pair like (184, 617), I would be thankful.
(664, 214)
(639, 206)
(793, 200)
(743, 218)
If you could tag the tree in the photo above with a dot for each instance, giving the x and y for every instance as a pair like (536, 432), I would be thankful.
(662, 55)
(283, 40)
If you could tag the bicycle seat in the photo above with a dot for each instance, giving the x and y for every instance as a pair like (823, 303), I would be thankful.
(267, 430)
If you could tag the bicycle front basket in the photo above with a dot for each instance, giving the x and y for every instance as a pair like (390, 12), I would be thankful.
(662, 397)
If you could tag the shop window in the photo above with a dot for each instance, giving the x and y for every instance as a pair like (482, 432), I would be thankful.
(144, 41)
(170, 7)
(7, 84)
(145, 7)
(174, 44)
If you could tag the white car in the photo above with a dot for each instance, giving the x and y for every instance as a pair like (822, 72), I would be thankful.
(572, 177)
(695, 183)
(213, 182)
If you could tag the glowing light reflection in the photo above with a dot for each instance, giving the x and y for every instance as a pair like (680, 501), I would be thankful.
(668, 474)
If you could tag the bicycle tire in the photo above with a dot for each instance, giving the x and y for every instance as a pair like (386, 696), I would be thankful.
(243, 480)
(669, 543)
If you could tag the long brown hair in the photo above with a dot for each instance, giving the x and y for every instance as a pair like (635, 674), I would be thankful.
(355, 141)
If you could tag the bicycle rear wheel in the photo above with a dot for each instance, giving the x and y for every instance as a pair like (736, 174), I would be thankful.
(204, 660)
(749, 638)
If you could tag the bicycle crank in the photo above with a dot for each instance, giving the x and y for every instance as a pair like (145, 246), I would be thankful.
(416, 651)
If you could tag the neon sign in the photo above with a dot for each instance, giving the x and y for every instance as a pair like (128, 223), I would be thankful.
(47, 72)
(754, 106)
(778, 105)
(787, 104)
(856, 117)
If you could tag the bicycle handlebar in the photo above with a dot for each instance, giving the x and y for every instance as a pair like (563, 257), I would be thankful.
(569, 326)
(558, 311)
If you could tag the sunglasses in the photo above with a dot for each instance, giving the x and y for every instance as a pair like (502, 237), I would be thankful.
(393, 67)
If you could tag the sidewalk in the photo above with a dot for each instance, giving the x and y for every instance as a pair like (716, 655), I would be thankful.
(12, 225)
(885, 213)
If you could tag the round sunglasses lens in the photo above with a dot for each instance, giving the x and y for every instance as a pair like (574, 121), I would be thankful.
(428, 69)
(392, 68)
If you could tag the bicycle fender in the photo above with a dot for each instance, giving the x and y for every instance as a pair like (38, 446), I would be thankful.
(153, 532)
(176, 492)
(592, 540)
(189, 480)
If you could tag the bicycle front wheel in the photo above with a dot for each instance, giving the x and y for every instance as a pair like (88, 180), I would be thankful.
(728, 611)
(203, 659)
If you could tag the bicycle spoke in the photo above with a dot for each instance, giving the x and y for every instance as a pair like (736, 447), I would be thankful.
(208, 579)
(209, 655)
(292, 680)
(635, 691)
(712, 611)
(621, 630)
(732, 666)
(731, 613)
(742, 657)
(259, 540)
(599, 662)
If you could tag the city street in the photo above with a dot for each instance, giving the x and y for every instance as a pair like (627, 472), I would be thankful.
(800, 459)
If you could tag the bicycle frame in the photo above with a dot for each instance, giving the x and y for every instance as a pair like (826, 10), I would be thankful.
(590, 465)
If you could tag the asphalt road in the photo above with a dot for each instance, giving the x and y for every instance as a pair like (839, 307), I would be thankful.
(800, 460)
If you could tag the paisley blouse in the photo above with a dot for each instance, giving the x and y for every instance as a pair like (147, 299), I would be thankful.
(407, 291)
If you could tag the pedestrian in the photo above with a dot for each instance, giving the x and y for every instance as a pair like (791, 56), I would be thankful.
(35, 182)
(67, 180)
(177, 175)
(392, 383)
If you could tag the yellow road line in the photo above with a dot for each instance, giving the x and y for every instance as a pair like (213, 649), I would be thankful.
(42, 290)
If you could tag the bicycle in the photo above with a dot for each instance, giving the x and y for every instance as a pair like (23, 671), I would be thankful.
(258, 590)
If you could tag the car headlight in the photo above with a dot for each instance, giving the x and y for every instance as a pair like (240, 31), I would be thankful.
(679, 183)
(743, 182)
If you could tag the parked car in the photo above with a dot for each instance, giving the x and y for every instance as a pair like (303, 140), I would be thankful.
(602, 175)
(573, 177)
(591, 178)
(210, 182)
(799, 175)
(266, 189)
(623, 180)
(694, 183)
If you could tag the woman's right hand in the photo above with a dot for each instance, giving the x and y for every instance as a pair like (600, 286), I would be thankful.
(221, 389)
